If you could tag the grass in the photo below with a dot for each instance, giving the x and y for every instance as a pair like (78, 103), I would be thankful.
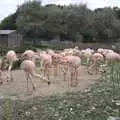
(96, 103)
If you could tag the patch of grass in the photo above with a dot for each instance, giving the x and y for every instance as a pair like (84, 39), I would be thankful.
(96, 103)
(7, 110)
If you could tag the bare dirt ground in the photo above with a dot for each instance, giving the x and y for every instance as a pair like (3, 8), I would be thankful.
(18, 89)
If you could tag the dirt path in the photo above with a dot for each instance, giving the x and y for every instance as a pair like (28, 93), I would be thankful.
(17, 89)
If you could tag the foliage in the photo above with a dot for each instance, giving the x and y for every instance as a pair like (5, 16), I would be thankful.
(9, 22)
(7, 110)
(72, 22)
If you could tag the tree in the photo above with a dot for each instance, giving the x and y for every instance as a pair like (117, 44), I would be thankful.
(9, 23)
(103, 25)
(55, 22)
(72, 22)
(28, 18)
(76, 20)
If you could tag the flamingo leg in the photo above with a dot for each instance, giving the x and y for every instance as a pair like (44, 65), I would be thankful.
(11, 75)
(76, 77)
(44, 70)
(90, 68)
(64, 73)
(64, 76)
(27, 78)
(71, 78)
(33, 85)
(56, 70)
(1, 80)
(41, 64)
(10, 72)
(47, 72)
(96, 69)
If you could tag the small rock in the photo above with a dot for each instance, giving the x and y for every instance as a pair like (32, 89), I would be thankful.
(118, 103)
(1, 97)
(34, 108)
(93, 108)
(78, 105)
(27, 113)
(71, 109)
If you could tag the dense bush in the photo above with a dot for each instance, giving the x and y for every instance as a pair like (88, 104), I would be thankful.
(23, 48)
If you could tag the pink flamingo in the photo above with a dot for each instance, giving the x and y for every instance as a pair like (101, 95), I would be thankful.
(11, 57)
(30, 69)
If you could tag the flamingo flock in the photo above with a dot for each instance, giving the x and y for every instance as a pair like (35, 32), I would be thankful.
(67, 61)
